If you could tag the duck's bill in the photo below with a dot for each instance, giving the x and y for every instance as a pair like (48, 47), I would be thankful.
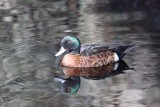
(61, 51)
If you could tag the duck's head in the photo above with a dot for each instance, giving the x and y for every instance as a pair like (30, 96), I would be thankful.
(70, 44)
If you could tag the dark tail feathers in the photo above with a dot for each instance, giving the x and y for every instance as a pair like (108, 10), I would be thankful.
(123, 49)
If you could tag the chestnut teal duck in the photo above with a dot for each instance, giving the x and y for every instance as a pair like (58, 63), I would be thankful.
(93, 55)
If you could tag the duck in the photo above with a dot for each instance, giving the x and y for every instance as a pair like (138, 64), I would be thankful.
(90, 55)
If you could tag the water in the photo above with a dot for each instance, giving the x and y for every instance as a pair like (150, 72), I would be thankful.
(31, 34)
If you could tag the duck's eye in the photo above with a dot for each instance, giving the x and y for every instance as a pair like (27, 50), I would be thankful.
(68, 42)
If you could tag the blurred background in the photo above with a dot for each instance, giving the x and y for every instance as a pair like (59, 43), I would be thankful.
(30, 35)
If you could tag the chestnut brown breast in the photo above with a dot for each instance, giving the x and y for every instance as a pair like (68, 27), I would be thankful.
(77, 60)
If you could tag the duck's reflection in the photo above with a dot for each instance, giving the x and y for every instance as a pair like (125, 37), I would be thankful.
(69, 85)
(72, 84)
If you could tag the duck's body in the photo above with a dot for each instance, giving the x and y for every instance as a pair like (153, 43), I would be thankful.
(79, 60)
(90, 55)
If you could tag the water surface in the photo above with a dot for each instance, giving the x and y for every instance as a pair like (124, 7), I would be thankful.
(30, 39)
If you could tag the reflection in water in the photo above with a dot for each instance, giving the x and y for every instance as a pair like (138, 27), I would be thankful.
(69, 85)
(72, 84)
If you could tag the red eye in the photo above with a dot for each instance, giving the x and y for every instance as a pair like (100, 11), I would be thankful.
(68, 41)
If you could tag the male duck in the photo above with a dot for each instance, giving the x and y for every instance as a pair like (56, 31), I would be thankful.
(93, 55)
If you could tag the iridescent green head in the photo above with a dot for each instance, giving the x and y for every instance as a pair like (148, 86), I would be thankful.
(70, 44)
(71, 88)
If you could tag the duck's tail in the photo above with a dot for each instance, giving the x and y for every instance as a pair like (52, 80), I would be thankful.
(122, 50)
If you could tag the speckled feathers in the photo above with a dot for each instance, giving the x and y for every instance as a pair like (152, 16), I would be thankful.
(77, 60)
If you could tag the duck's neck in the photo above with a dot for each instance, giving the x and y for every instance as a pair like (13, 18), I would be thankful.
(74, 52)
(77, 51)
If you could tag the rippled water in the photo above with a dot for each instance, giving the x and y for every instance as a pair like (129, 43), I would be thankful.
(31, 36)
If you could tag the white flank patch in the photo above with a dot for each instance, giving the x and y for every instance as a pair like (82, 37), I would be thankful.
(116, 58)
(116, 66)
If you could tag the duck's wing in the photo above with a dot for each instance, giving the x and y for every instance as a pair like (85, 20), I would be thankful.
(92, 49)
